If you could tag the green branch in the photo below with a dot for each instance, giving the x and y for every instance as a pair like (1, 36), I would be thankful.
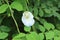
(13, 16)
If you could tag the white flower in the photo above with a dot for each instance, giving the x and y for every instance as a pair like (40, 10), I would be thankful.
(27, 18)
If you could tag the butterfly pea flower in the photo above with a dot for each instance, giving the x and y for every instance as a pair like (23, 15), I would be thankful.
(27, 19)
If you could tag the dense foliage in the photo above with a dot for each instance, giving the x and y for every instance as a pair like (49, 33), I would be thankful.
(46, 15)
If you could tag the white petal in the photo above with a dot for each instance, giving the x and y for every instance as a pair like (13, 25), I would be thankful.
(27, 18)
(27, 13)
(28, 22)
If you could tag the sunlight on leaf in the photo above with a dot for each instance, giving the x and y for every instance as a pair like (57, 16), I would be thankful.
(41, 36)
(3, 8)
(19, 36)
(16, 5)
(32, 36)
(27, 29)
(49, 35)
(41, 28)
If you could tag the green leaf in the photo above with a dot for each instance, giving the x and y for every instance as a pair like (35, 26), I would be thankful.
(37, 3)
(42, 20)
(16, 5)
(35, 11)
(36, 25)
(48, 15)
(24, 3)
(49, 3)
(47, 11)
(19, 36)
(57, 32)
(32, 36)
(53, 12)
(3, 8)
(30, 9)
(57, 15)
(27, 29)
(52, 26)
(48, 26)
(58, 25)
(49, 35)
(54, 9)
(41, 13)
(59, 4)
(0, 2)
(43, 5)
(4, 29)
(56, 38)
(41, 28)
(41, 36)
(3, 35)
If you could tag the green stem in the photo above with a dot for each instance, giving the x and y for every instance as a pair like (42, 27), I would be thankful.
(27, 1)
(13, 16)
(34, 29)
(27, 5)
(37, 18)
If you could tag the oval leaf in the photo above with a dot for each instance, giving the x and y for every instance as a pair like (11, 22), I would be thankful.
(19, 36)
(3, 35)
(27, 29)
(3, 8)
(16, 5)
